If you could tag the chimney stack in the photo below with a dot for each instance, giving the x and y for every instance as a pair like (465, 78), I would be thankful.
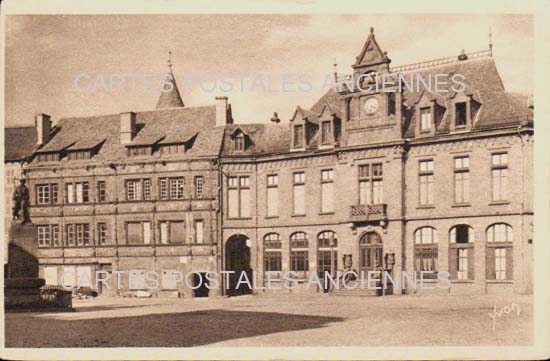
(127, 127)
(43, 125)
(275, 118)
(223, 112)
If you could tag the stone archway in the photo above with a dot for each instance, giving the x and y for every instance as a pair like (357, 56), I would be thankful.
(237, 260)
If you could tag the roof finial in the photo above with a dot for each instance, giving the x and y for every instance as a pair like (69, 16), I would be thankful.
(335, 65)
(371, 29)
(170, 60)
(490, 43)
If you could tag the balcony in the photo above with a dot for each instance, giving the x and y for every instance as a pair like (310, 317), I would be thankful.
(368, 213)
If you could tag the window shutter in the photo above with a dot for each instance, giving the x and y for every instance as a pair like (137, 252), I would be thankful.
(491, 263)
(471, 260)
(509, 263)
(177, 232)
(453, 263)
(134, 233)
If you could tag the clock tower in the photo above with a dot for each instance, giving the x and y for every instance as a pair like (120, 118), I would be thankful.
(371, 97)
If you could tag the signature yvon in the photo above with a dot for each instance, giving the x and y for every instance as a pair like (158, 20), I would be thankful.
(506, 310)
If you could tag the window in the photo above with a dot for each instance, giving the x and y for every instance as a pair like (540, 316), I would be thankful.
(238, 192)
(77, 192)
(138, 189)
(169, 279)
(327, 191)
(239, 142)
(299, 261)
(371, 185)
(177, 186)
(199, 186)
(499, 252)
(462, 180)
(299, 136)
(460, 114)
(199, 231)
(138, 151)
(272, 195)
(172, 148)
(47, 157)
(272, 254)
(47, 194)
(425, 251)
(138, 232)
(77, 235)
(348, 109)
(327, 244)
(461, 252)
(102, 235)
(44, 236)
(499, 176)
(325, 132)
(391, 103)
(79, 154)
(425, 119)
(299, 196)
(172, 232)
(426, 182)
(101, 191)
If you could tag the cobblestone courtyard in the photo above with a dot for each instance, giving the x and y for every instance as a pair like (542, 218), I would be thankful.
(296, 320)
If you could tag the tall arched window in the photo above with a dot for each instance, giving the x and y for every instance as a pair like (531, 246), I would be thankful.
(299, 260)
(461, 252)
(272, 254)
(327, 243)
(425, 251)
(499, 252)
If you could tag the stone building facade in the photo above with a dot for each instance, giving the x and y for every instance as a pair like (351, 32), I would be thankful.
(404, 179)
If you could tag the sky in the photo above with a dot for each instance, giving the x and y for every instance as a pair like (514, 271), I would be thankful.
(46, 53)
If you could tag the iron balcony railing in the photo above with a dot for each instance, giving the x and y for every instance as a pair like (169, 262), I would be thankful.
(368, 212)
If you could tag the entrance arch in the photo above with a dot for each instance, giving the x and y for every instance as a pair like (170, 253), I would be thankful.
(237, 259)
(370, 252)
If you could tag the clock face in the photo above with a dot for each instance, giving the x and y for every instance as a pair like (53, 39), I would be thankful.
(371, 105)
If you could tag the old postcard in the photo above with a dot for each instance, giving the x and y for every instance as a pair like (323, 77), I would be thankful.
(287, 180)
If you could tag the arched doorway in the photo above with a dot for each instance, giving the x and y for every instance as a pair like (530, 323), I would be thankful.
(370, 252)
(237, 259)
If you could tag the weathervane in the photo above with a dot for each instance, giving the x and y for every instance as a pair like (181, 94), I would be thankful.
(170, 60)
(335, 65)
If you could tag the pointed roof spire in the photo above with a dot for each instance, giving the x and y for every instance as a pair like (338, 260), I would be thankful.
(371, 52)
(170, 96)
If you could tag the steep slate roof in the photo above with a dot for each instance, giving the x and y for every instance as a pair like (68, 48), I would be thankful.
(174, 124)
(172, 98)
(262, 138)
(19, 143)
(498, 107)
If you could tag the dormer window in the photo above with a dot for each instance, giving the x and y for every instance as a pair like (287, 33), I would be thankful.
(461, 117)
(239, 142)
(47, 157)
(79, 154)
(325, 132)
(425, 119)
(172, 148)
(138, 151)
(299, 136)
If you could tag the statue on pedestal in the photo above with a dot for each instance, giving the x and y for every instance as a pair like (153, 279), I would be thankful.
(21, 203)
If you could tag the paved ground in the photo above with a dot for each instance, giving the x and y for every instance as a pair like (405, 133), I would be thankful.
(278, 321)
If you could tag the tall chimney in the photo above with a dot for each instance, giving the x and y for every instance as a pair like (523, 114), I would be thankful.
(223, 112)
(43, 125)
(275, 118)
(127, 127)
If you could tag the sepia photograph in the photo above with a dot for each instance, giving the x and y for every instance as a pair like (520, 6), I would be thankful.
(268, 180)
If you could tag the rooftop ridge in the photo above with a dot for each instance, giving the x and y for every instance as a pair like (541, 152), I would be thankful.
(441, 61)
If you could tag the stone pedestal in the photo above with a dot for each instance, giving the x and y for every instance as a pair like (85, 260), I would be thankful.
(23, 290)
